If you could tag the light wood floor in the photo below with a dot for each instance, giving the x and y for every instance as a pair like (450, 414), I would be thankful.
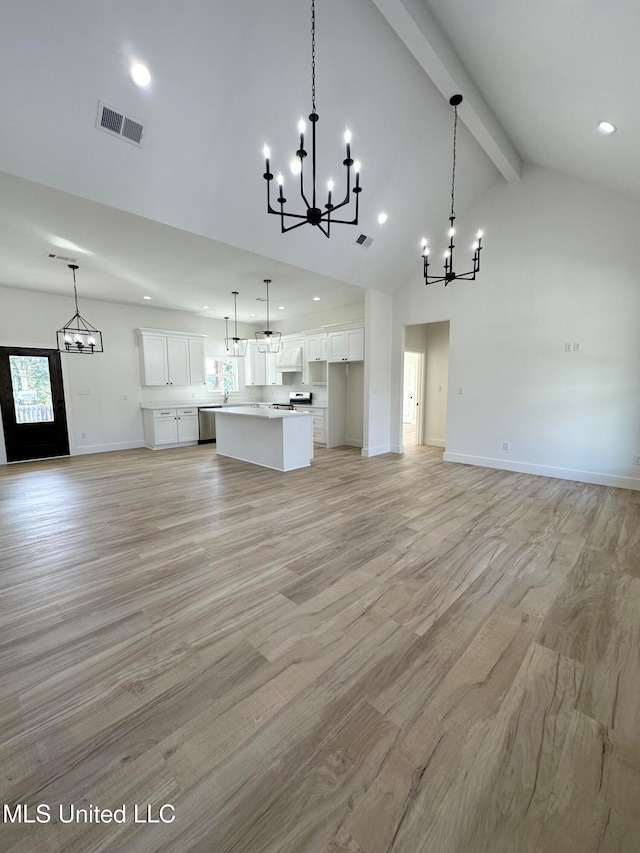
(387, 655)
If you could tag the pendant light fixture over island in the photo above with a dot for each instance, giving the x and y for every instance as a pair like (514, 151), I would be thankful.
(236, 346)
(268, 341)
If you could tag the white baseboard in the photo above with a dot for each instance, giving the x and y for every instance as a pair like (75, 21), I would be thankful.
(435, 442)
(353, 442)
(376, 451)
(547, 471)
(105, 448)
(396, 448)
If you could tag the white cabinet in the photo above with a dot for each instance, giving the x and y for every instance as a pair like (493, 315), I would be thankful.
(164, 428)
(187, 420)
(170, 427)
(347, 345)
(178, 361)
(272, 377)
(196, 361)
(316, 348)
(255, 366)
(154, 368)
(260, 367)
(319, 425)
(170, 358)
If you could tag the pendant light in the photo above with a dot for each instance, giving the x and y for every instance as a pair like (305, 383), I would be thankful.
(78, 335)
(236, 347)
(449, 274)
(268, 341)
(314, 214)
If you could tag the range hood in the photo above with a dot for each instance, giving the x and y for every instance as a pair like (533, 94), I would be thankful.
(289, 360)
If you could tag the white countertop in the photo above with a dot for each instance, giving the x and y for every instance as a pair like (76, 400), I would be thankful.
(254, 412)
(210, 404)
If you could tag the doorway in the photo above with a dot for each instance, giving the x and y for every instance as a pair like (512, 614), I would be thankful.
(32, 403)
(431, 341)
(411, 397)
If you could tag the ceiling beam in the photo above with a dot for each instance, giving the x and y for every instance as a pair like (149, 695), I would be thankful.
(423, 36)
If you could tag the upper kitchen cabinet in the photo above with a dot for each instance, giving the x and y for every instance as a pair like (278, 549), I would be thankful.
(170, 358)
(260, 368)
(346, 345)
(316, 347)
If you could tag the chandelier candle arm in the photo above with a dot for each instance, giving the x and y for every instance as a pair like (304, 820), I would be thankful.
(449, 274)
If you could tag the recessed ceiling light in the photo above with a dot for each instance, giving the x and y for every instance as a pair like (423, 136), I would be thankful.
(252, 315)
(382, 218)
(205, 307)
(280, 307)
(140, 75)
(146, 297)
(316, 299)
(607, 127)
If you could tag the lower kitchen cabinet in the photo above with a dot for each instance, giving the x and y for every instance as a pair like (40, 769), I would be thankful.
(170, 427)
(319, 423)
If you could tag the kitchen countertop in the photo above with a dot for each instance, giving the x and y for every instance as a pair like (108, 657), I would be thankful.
(210, 404)
(255, 412)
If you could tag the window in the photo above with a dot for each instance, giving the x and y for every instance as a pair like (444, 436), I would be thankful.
(31, 388)
(222, 374)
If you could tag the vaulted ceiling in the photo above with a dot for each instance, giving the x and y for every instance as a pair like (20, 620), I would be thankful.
(182, 218)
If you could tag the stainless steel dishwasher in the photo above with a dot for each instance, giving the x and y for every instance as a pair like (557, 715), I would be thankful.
(207, 424)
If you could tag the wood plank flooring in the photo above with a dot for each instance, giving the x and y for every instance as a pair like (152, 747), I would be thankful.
(387, 655)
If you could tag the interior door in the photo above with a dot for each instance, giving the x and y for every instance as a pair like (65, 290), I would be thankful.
(32, 403)
(410, 391)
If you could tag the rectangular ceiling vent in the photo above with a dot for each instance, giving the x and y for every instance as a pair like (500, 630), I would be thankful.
(118, 124)
(62, 258)
(363, 241)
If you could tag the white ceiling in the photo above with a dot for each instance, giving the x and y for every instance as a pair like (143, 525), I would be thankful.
(183, 218)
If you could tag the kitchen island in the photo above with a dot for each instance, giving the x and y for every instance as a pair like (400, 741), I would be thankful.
(273, 438)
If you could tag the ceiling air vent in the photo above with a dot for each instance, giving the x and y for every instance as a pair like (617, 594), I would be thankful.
(363, 241)
(62, 258)
(118, 124)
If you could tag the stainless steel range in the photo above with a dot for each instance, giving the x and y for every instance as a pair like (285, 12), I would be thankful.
(296, 398)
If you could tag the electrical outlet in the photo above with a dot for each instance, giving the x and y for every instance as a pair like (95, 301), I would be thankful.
(506, 445)
(125, 397)
(636, 459)
(577, 346)
(567, 346)
(83, 435)
(460, 390)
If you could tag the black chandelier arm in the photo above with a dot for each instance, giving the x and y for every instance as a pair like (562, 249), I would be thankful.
(302, 193)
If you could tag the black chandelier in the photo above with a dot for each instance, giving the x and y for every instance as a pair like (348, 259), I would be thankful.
(78, 335)
(449, 274)
(268, 340)
(314, 215)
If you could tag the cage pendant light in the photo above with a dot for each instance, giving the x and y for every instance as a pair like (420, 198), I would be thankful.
(315, 214)
(78, 335)
(236, 347)
(268, 341)
(449, 274)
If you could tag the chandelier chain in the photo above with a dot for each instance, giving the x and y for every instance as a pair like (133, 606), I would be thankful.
(453, 172)
(313, 55)
(75, 291)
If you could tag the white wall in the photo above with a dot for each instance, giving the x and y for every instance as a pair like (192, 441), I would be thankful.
(377, 373)
(110, 416)
(560, 265)
(436, 383)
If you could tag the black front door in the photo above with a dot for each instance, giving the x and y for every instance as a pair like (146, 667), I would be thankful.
(32, 403)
